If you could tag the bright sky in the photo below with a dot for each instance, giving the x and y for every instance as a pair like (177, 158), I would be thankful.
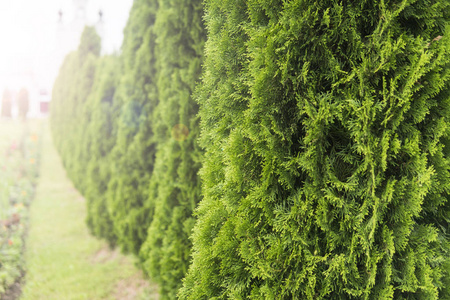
(28, 31)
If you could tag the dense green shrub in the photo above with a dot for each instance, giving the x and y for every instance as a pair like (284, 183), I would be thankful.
(127, 132)
(68, 115)
(83, 120)
(326, 172)
(133, 155)
(174, 186)
(325, 129)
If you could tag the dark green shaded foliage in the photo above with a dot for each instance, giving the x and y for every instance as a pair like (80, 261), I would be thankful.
(100, 137)
(326, 172)
(174, 186)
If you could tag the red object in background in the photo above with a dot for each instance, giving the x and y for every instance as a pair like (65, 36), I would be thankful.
(44, 107)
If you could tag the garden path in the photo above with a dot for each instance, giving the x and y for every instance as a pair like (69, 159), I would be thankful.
(63, 261)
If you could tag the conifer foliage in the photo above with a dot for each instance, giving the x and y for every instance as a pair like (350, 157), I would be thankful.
(321, 130)
(68, 115)
(134, 136)
(133, 153)
(100, 128)
(326, 130)
(83, 121)
(174, 187)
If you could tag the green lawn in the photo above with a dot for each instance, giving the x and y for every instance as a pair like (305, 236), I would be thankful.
(62, 260)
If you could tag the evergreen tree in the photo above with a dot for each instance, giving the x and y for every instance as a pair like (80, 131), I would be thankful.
(78, 149)
(23, 103)
(174, 186)
(326, 131)
(133, 155)
(6, 104)
(68, 116)
(60, 111)
(84, 118)
(100, 137)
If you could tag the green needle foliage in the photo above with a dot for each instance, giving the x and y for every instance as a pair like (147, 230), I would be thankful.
(174, 186)
(68, 115)
(133, 155)
(99, 140)
(83, 121)
(128, 139)
(327, 171)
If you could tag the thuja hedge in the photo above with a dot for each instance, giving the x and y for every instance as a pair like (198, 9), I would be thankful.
(83, 122)
(133, 153)
(174, 187)
(325, 130)
(100, 130)
(68, 116)
(129, 138)
(326, 171)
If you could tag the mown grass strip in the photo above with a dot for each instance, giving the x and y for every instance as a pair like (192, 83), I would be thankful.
(63, 260)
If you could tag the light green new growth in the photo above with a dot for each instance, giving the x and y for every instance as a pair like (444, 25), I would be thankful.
(326, 173)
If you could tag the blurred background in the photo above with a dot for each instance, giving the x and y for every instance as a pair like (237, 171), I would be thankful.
(35, 36)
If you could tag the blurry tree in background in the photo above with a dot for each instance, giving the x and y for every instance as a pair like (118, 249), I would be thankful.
(114, 121)
(6, 104)
(175, 186)
(133, 154)
(23, 102)
(84, 126)
(71, 90)
(325, 129)
(100, 127)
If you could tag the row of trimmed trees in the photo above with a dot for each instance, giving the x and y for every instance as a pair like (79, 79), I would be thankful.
(127, 128)
(315, 134)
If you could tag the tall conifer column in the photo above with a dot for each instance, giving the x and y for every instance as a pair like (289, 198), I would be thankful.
(133, 155)
(175, 186)
(326, 173)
